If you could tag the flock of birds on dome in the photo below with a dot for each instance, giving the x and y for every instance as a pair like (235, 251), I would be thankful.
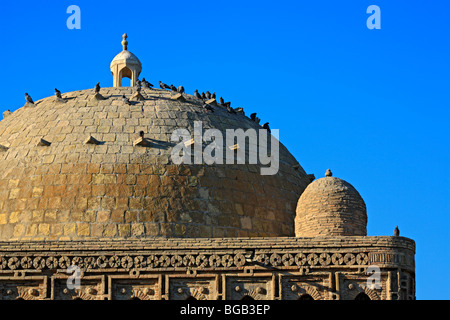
(204, 97)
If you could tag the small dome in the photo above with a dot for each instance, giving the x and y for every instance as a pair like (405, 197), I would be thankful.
(330, 207)
(125, 65)
(126, 57)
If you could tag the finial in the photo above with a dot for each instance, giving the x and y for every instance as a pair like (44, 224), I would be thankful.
(328, 173)
(124, 41)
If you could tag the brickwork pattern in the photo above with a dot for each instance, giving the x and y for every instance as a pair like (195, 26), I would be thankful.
(73, 190)
(330, 207)
(326, 268)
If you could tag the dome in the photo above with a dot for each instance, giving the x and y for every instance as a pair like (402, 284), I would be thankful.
(125, 57)
(73, 170)
(330, 207)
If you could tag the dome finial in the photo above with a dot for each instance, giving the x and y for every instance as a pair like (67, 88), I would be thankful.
(124, 42)
(328, 173)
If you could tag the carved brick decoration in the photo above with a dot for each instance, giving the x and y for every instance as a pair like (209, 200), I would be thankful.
(269, 268)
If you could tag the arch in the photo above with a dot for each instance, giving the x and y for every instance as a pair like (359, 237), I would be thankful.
(138, 294)
(362, 297)
(125, 72)
(308, 290)
(361, 289)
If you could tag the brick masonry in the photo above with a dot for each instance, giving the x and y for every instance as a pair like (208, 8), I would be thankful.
(140, 227)
(330, 268)
(330, 207)
(73, 190)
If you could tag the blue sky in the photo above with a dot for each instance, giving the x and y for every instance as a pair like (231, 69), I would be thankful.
(371, 105)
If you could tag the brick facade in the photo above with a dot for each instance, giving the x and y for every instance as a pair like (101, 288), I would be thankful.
(333, 268)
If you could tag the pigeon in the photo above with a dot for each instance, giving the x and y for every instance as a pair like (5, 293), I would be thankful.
(28, 98)
(125, 99)
(97, 87)
(221, 101)
(207, 107)
(138, 84)
(58, 93)
(239, 110)
(208, 95)
(255, 118)
(180, 89)
(146, 84)
(141, 134)
(203, 96)
(266, 126)
(197, 95)
(213, 96)
(163, 85)
(173, 88)
(231, 110)
(396, 231)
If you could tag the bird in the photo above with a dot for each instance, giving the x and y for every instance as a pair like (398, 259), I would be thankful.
(163, 85)
(328, 173)
(28, 98)
(141, 134)
(221, 101)
(240, 110)
(146, 84)
(173, 88)
(97, 87)
(197, 95)
(213, 96)
(208, 95)
(255, 118)
(207, 107)
(203, 95)
(58, 93)
(180, 89)
(138, 83)
(396, 231)
(125, 99)
(266, 126)
(231, 110)
(227, 104)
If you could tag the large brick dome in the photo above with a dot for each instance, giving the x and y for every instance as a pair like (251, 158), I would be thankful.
(108, 187)
(330, 207)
